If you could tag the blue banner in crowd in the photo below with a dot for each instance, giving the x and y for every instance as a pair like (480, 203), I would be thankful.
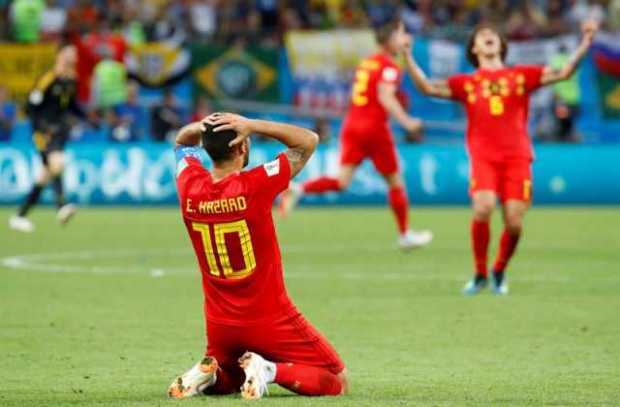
(108, 174)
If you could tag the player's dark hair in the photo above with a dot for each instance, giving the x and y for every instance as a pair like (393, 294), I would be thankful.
(384, 31)
(216, 143)
(473, 58)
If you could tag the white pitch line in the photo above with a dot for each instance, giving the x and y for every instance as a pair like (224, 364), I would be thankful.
(42, 262)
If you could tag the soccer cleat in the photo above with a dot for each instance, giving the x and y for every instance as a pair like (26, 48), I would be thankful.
(65, 213)
(500, 285)
(414, 239)
(289, 199)
(21, 224)
(256, 371)
(475, 285)
(194, 382)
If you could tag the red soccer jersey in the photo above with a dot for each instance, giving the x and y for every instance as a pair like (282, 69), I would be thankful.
(365, 106)
(231, 228)
(497, 104)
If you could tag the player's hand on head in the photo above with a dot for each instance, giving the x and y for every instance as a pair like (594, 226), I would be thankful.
(230, 121)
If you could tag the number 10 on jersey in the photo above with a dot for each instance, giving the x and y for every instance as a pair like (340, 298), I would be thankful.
(215, 248)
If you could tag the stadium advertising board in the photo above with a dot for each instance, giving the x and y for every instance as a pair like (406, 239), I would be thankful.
(106, 174)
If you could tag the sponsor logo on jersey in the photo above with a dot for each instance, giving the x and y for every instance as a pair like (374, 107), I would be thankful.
(272, 168)
(390, 74)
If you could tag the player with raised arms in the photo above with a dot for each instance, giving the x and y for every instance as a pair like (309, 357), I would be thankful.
(366, 133)
(496, 99)
(255, 333)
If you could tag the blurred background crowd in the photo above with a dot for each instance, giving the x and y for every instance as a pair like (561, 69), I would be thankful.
(265, 21)
(105, 30)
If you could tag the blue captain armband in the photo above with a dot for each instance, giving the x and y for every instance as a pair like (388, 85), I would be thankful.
(184, 152)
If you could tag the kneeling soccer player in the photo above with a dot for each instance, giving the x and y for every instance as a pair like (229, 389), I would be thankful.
(255, 334)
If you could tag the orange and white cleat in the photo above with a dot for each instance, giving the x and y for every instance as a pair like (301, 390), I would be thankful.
(65, 213)
(258, 373)
(289, 199)
(196, 380)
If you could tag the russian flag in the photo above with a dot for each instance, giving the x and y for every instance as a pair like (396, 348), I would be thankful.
(606, 54)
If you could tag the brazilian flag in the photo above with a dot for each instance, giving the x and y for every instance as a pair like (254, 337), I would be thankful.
(235, 72)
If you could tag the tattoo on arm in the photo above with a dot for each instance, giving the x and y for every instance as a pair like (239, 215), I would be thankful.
(297, 158)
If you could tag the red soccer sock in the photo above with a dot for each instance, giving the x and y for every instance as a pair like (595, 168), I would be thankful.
(480, 235)
(400, 206)
(307, 380)
(507, 246)
(321, 185)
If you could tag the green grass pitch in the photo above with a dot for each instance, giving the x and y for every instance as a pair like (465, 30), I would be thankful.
(108, 310)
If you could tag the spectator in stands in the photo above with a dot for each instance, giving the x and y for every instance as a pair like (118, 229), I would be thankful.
(323, 130)
(133, 27)
(319, 16)
(166, 118)
(567, 99)
(166, 27)
(7, 115)
(352, 14)
(109, 86)
(268, 11)
(53, 21)
(556, 18)
(380, 11)
(26, 20)
(127, 119)
(495, 12)
(202, 110)
(614, 15)
(526, 21)
(291, 19)
(203, 17)
(83, 16)
(102, 42)
(582, 10)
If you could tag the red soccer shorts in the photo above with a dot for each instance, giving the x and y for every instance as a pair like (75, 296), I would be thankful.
(291, 339)
(374, 142)
(511, 180)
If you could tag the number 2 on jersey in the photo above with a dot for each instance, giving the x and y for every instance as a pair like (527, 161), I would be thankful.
(360, 86)
(220, 250)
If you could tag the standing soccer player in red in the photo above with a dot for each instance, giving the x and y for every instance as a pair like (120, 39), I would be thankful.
(496, 99)
(255, 333)
(366, 133)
